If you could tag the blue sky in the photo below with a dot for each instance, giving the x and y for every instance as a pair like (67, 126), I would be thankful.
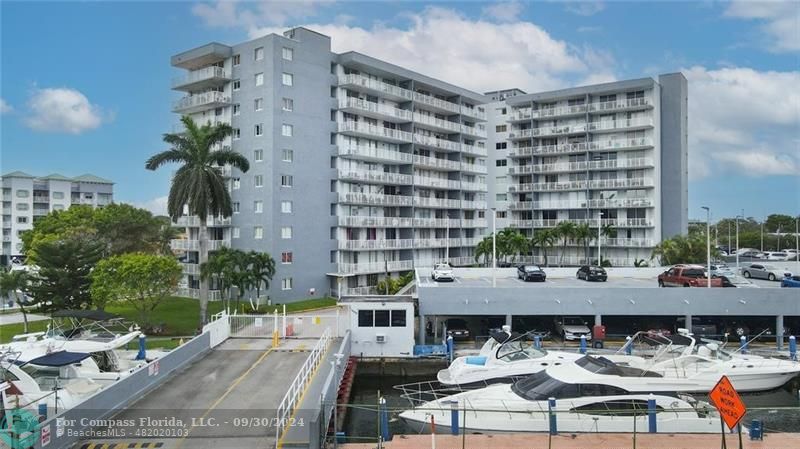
(85, 85)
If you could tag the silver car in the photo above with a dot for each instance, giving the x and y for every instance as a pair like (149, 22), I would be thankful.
(761, 271)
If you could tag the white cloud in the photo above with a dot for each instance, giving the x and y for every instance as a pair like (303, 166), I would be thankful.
(5, 107)
(62, 110)
(743, 121)
(228, 13)
(503, 11)
(781, 21)
(157, 206)
(584, 8)
(473, 53)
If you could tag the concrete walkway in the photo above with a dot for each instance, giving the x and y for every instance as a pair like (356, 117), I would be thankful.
(11, 318)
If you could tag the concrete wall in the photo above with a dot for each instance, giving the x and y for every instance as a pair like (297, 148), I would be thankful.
(674, 155)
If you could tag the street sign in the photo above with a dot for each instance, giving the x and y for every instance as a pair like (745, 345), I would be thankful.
(728, 403)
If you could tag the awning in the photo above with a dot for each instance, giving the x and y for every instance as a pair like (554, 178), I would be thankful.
(60, 358)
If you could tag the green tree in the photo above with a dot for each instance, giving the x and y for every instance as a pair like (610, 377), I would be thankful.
(514, 243)
(394, 285)
(13, 283)
(141, 280)
(198, 184)
(62, 280)
(166, 233)
(564, 230)
(262, 267)
(583, 235)
(543, 239)
(683, 249)
(484, 249)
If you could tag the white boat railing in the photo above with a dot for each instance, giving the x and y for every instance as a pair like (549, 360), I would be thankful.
(293, 394)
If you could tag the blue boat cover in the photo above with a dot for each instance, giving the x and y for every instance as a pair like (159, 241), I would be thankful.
(60, 358)
(476, 360)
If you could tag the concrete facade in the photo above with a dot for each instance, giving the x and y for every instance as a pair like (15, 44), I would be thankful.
(26, 198)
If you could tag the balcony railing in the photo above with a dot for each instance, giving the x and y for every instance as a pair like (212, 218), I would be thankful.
(473, 150)
(213, 295)
(474, 112)
(437, 223)
(530, 114)
(375, 131)
(431, 141)
(437, 182)
(191, 268)
(375, 199)
(376, 244)
(547, 131)
(473, 186)
(446, 164)
(617, 105)
(473, 168)
(527, 151)
(194, 245)
(378, 177)
(474, 223)
(620, 183)
(375, 267)
(442, 124)
(375, 154)
(41, 199)
(375, 108)
(620, 144)
(614, 222)
(443, 203)
(201, 102)
(355, 221)
(613, 203)
(376, 86)
(608, 125)
(207, 76)
(466, 204)
(473, 131)
(548, 186)
(437, 103)
(581, 166)
(194, 221)
(573, 260)
(627, 243)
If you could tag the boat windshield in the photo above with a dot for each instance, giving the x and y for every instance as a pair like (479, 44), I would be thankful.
(516, 350)
(540, 387)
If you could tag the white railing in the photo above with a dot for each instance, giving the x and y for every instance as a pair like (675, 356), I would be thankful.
(437, 102)
(194, 221)
(436, 162)
(461, 261)
(375, 85)
(620, 144)
(614, 222)
(620, 163)
(375, 244)
(437, 243)
(437, 202)
(554, 259)
(194, 245)
(619, 104)
(446, 125)
(627, 243)
(376, 222)
(473, 168)
(547, 131)
(375, 267)
(592, 204)
(620, 124)
(473, 131)
(291, 400)
(436, 142)
(465, 204)
(213, 295)
(375, 199)
(203, 74)
(548, 186)
(378, 108)
(476, 112)
(473, 149)
(474, 223)
(375, 153)
(620, 183)
(476, 186)
(437, 182)
(548, 149)
(372, 130)
(192, 101)
(374, 176)
(520, 205)
(436, 222)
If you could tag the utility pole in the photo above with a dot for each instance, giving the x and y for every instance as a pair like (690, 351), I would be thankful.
(708, 244)
(494, 248)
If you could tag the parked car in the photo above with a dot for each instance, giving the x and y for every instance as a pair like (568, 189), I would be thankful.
(572, 328)
(686, 276)
(737, 282)
(699, 326)
(592, 273)
(456, 328)
(752, 253)
(761, 271)
(722, 269)
(791, 281)
(442, 272)
(531, 273)
(776, 256)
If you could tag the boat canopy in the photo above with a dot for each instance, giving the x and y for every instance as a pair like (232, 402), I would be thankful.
(58, 359)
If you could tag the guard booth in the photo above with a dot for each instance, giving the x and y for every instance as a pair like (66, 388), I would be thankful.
(381, 326)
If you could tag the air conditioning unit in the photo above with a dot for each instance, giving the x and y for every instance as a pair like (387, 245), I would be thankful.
(380, 338)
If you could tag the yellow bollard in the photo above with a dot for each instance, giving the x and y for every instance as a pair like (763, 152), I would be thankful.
(275, 339)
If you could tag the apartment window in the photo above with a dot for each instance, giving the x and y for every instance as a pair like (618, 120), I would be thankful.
(286, 207)
(258, 180)
(23, 194)
(288, 79)
(501, 145)
(500, 197)
(259, 54)
(286, 181)
(259, 79)
(287, 130)
(500, 128)
(287, 155)
(58, 195)
(258, 206)
(237, 133)
(286, 232)
(237, 59)
(258, 104)
(237, 84)
(288, 53)
(22, 206)
(288, 104)
(258, 232)
(22, 220)
(235, 207)
(236, 183)
(286, 284)
(500, 163)
(258, 155)
(236, 109)
(235, 232)
(501, 214)
(286, 257)
(259, 129)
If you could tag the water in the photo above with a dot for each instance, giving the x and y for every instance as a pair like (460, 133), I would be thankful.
(362, 423)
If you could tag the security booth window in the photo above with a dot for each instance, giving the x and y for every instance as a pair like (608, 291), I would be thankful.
(365, 318)
(381, 318)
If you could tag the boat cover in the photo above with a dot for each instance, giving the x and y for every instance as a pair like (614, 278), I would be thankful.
(60, 358)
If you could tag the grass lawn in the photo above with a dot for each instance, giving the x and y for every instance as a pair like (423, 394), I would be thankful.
(178, 317)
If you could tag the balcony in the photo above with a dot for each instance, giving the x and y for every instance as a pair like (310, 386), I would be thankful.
(613, 203)
(193, 221)
(362, 129)
(375, 267)
(201, 79)
(437, 183)
(201, 102)
(437, 243)
(621, 144)
(614, 222)
(41, 199)
(443, 203)
(466, 204)
(6, 211)
(627, 243)
(6, 238)
(437, 223)
(548, 186)
(474, 112)
(436, 142)
(201, 56)
(474, 223)
(432, 162)
(639, 162)
(374, 110)
(437, 103)
(623, 124)
(375, 199)
(620, 105)
(473, 186)
(473, 131)
(374, 154)
(213, 295)
(620, 183)
(356, 221)
(559, 130)
(377, 177)
(520, 205)
(528, 151)
(40, 212)
(364, 84)
(191, 268)
(353, 245)
(473, 150)
(194, 245)
(473, 168)
(436, 124)
(520, 169)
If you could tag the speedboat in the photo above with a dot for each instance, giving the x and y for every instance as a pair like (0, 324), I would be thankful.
(503, 358)
(591, 395)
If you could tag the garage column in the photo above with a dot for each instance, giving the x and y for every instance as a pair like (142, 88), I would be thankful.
(598, 319)
(779, 331)
(508, 320)
(688, 322)
(422, 326)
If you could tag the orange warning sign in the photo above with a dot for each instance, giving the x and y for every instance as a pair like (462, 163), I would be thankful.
(728, 403)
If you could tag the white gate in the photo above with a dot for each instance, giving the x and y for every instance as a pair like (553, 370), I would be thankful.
(312, 326)
(254, 326)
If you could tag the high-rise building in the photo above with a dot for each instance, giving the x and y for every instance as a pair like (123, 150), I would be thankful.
(26, 198)
(361, 169)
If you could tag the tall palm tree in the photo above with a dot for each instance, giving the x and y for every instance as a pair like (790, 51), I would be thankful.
(12, 283)
(543, 239)
(564, 230)
(484, 249)
(198, 183)
(583, 234)
(262, 267)
(515, 243)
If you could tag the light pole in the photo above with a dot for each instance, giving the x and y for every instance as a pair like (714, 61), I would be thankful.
(708, 245)
(494, 247)
(599, 227)
(447, 238)
(762, 236)
(737, 241)
(797, 244)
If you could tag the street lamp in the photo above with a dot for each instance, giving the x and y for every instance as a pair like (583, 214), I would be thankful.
(708, 244)
(494, 247)
(599, 227)
(737, 240)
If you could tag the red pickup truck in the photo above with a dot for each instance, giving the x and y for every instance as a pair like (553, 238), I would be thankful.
(686, 276)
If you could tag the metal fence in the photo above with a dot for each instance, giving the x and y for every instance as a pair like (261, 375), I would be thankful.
(254, 326)
(313, 326)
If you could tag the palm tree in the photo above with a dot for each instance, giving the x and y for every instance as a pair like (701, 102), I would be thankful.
(565, 230)
(515, 243)
(262, 268)
(583, 234)
(218, 268)
(484, 248)
(12, 283)
(198, 183)
(543, 239)
(166, 233)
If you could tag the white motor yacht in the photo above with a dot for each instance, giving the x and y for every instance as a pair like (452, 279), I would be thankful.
(591, 395)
